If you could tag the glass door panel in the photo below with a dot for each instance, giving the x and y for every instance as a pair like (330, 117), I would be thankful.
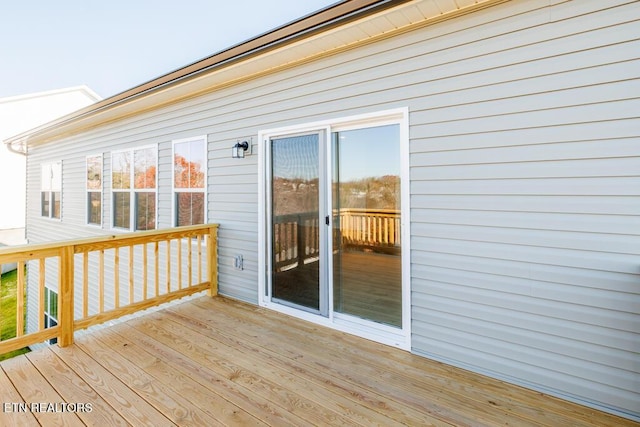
(295, 225)
(367, 279)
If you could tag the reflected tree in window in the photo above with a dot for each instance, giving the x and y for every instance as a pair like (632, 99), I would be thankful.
(134, 188)
(189, 182)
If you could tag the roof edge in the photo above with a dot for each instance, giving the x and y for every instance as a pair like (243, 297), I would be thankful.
(323, 19)
(82, 88)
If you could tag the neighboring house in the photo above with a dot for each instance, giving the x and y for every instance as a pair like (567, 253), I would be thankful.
(19, 114)
(457, 179)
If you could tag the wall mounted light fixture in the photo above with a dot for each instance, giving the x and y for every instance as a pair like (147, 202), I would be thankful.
(237, 151)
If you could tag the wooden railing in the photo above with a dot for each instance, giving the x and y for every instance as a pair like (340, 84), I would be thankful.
(296, 235)
(101, 279)
(375, 229)
(296, 238)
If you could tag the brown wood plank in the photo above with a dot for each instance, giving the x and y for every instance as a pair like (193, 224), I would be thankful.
(288, 397)
(20, 300)
(357, 401)
(99, 318)
(132, 407)
(170, 370)
(35, 390)
(74, 389)
(66, 296)
(457, 392)
(10, 412)
(373, 358)
(199, 366)
(214, 361)
(27, 340)
(166, 399)
(85, 284)
(428, 386)
(422, 391)
(41, 281)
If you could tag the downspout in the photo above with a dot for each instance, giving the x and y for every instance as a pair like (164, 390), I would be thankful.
(23, 152)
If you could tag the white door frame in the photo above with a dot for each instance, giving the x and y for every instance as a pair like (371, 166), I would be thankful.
(400, 338)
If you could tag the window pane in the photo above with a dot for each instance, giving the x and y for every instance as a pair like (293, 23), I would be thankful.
(367, 270)
(189, 164)
(45, 178)
(181, 165)
(145, 211)
(189, 208)
(53, 308)
(295, 212)
(197, 165)
(55, 204)
(56, 177)
(121, 209)
(44, 203)
(121, 171)
(94, 173)
(145, 168)
(94, 207)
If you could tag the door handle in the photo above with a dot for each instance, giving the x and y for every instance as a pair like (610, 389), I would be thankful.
(326, 219)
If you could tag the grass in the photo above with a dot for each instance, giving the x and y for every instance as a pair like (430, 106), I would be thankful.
(8, 284)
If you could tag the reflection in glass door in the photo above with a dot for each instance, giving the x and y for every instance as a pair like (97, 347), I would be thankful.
(295, 226)
(367, 279)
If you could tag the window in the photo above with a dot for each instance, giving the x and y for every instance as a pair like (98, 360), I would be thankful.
(189, 180)
(51, 186)
(50, 311)
(133, 183)
(94, 190)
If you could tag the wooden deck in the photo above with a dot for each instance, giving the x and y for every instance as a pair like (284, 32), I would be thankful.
(214, 361)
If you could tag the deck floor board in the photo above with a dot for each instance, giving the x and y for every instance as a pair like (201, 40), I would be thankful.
(215, 361)
(120, 396)
(36, 390)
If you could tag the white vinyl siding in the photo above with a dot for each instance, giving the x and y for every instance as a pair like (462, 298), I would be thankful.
(525, 210)
(525, 183)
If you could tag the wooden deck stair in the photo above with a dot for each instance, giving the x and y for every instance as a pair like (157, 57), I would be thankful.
(215, 361)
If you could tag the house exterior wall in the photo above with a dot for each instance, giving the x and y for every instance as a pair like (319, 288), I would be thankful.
(525, 164)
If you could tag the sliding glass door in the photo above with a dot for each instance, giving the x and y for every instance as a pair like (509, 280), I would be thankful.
(367, 279)
(295, 222)
(334, 226)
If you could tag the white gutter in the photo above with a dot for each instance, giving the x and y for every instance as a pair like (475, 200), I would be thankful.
(22, 143)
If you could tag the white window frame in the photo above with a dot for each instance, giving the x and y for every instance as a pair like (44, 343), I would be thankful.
(49, 319)
(49, 184)
(132, 190)
(383, 334)
(94, 190)
(174, 189)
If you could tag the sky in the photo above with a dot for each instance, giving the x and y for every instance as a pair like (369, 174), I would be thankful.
(114, 45)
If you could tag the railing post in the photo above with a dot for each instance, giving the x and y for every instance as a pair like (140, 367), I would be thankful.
(300, 240)
(212, 260)
(20, 300)
(65, 298)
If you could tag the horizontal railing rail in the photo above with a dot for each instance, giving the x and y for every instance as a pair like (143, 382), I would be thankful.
(296, 235)
(100, 279)
(296, 238)
(375, 229)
